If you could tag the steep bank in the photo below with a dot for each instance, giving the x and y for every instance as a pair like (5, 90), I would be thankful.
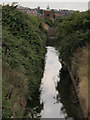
(79, 76)
(24, 40)
(67, 96)
(72, 34)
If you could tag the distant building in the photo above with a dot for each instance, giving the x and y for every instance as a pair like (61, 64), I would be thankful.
(40, 13)
(89, 5)
(48, 13)
(28, 11)
(48, 8)
(57, 14)
(33, 12)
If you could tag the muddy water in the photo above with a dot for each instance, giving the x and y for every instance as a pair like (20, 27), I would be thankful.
(52, 109)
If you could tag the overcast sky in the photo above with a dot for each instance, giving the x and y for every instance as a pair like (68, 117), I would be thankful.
(45, 0)
(81, 5)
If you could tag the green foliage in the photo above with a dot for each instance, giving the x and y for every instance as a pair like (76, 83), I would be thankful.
(48, 21)
(27, 52)
(72, 32)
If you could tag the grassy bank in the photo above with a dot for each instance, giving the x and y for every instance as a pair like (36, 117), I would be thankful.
(24, 40)
(66, 95)
(79, 71)
(73, 35)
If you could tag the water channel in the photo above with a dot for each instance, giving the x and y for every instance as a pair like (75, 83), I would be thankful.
(52, 109)
(53, 86)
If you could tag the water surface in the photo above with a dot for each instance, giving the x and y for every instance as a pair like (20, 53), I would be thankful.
(52, 109)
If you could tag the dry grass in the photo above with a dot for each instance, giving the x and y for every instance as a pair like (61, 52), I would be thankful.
(80, 68)
(45, 26)
(14, 92)
(89, 77)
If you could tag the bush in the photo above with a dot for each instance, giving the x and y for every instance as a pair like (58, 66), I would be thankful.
(72, 32)
(21, 33)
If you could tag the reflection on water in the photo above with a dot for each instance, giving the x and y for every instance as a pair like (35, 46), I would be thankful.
(52, 109)
(66, 95)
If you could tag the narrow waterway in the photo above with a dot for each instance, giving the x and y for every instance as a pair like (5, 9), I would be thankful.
(52, 109)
